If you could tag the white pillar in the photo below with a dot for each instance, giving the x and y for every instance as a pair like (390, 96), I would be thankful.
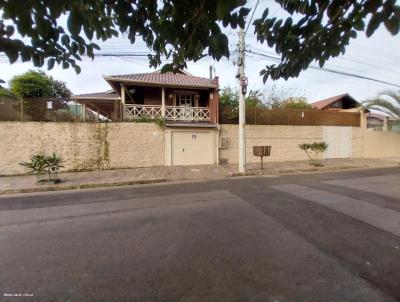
(386, 124)
(123, 102)
(163, 101)
(83, 112)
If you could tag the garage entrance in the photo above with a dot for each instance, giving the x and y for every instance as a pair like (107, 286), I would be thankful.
(192, 148)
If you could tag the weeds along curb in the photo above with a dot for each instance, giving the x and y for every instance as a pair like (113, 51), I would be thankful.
(84, 186)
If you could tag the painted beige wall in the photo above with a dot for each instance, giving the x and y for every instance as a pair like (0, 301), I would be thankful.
(83, 145)
(378, 144)
(283, 139)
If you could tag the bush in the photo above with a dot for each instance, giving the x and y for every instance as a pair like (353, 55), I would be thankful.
(313, 150)
(44, 164)
(159, 121)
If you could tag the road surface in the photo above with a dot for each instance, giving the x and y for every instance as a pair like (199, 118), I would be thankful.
(305, 237)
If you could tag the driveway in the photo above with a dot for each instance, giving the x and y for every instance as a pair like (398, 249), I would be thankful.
(305, 237)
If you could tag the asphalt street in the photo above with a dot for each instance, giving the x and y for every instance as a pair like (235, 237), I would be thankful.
(305, 237)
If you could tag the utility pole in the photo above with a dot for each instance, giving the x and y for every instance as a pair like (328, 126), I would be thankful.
(242, 92)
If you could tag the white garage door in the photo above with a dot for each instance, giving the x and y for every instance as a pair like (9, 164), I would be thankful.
(339, 140)
(192, 148)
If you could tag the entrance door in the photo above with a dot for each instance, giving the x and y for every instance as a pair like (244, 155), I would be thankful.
(185, 101)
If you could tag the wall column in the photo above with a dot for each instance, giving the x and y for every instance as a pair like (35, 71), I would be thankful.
(386, 124)
(83, 112)
(123, 102)
(163, 101)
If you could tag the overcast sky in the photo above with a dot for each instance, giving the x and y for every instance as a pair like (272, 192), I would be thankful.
(377, 57)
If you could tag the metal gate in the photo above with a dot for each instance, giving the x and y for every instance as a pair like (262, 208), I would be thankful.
(339, 140)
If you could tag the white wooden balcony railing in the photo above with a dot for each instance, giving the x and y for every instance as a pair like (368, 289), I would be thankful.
(178, 113)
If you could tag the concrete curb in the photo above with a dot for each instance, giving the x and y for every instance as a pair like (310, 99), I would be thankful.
(293, 171)
(83, 186)
(164, 180)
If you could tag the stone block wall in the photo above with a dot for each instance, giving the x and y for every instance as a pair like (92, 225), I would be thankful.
(283, 139)
(84, 146)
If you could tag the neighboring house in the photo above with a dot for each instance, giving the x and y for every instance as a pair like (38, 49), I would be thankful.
(189, 105)
(337, 103)
(345, 102)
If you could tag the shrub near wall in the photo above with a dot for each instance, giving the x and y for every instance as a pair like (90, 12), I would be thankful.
(84, 146)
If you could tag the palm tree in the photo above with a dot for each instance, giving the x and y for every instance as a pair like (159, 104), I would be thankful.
(387, 101)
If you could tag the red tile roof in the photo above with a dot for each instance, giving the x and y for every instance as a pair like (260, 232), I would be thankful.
(326, 102)
(97, 95)
(164, 79)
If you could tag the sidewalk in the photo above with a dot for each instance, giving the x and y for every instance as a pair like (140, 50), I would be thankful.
(108, 178)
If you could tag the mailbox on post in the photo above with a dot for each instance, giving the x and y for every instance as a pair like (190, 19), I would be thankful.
(261, 151)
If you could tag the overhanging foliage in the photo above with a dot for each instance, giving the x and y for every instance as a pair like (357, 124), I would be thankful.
(184, 30)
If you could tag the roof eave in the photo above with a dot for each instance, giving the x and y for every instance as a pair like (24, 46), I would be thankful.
(110, 79)
(93, 98)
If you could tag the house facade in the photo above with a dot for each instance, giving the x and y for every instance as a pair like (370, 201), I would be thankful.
(188, 104)
(179, 98)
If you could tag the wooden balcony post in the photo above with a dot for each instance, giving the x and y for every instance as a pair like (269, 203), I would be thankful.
(123, 102)
(163, 102)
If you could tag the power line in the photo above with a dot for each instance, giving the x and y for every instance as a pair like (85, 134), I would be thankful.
(330, 70)
(343, 59)
(251, 18)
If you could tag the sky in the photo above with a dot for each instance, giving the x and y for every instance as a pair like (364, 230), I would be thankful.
(377, 57)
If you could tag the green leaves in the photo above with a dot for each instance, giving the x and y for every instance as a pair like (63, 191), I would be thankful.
(183, 30)
(374, 23)
(393, 25)
(50, 63)
(74, 23)
(38, 84)
(323, 32)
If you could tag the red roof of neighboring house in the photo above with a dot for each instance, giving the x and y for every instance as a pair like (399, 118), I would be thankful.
(164, 79)
(326, 102)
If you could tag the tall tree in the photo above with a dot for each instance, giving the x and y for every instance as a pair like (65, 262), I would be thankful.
(184, 30)
(281, 97)
(387, 101)
(229, 97)
(37, 84)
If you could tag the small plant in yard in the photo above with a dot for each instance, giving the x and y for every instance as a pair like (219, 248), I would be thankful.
(313, 150)
(41, 164)
(159, 121)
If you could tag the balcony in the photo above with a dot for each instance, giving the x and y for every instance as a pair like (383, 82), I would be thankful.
(176, 113)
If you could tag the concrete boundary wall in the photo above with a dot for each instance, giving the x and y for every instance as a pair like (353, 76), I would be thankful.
(283, 139)
(96, 146)
(84, 146)
(381, 144)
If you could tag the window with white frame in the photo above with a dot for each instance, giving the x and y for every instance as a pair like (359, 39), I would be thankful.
(184, 99)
